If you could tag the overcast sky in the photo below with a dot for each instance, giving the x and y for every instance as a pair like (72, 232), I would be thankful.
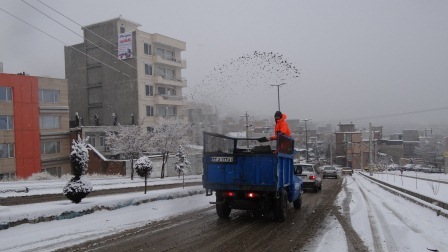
(358, 60)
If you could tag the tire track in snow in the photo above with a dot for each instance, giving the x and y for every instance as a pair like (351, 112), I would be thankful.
(378, 223)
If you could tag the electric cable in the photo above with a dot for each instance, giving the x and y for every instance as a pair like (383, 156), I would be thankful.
(99, 36)
(104, 50)
(62, 42)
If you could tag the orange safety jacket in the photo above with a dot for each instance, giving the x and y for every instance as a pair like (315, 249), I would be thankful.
(282, 126)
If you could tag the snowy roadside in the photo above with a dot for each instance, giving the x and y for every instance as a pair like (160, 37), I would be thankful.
(41, 187)
(53, 235)
(387, 222)
(57, 210)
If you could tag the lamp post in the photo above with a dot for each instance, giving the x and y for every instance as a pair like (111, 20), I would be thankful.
(306, 139)
(278, 93)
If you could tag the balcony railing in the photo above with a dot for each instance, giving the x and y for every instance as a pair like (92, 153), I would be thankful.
(170, 80)
(167, 59)
(169, 99)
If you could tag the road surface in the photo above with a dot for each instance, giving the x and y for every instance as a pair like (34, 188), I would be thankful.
(204, 231)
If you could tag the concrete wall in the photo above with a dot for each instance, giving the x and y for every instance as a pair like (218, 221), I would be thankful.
(195, 160)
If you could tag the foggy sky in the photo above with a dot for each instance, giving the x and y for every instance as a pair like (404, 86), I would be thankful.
(359, 61)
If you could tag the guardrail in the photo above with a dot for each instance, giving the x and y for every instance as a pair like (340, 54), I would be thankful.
(393, 189)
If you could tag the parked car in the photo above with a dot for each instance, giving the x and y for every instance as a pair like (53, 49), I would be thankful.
(393, 167)
(408, 167)
(310, 177)
(433, 169)
(329, 171)
(347, 170)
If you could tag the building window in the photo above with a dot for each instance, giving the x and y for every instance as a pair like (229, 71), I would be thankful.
(149, 111)
(147, 48)
(170, 74)
(149, 90)
(166, 111)
(166, 91)
(160, 52)
(6, 150)
(102, 141)
(50, 147)
(161, 71)
(53, 171)
(149, 129)
(148, 69)
(92, 141)
(47, 95)
(50, 122)
(6, 122)
(169, 55)
(5, 94)
(122, 29)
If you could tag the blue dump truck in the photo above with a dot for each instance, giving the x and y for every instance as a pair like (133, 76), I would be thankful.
(247, 175)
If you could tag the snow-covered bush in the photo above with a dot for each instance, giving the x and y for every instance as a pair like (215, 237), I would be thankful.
(143, 167)
(182, 165)
(79, 156)
(78, 187)
(41, 176)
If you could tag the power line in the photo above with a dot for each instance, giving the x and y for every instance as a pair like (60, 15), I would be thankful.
(62, 42)
(99, 36)
(403, 113)
(387, 115)
(104, 50)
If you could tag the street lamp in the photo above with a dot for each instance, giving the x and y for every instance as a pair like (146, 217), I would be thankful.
(278, 93)
(306, 138)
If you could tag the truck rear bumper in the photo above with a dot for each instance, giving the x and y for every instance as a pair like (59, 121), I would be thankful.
(309, 185)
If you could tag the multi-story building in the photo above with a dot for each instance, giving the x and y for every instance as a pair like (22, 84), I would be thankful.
(34, 129)
(120, 74)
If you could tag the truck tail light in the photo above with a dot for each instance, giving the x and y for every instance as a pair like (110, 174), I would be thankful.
(312, 177)
(229, 194)
(252, 195)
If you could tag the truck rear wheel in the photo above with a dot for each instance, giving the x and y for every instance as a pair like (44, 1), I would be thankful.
(298, 203)
(222, 208)
(281, 205)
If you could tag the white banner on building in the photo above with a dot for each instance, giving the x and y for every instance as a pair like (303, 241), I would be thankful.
(125, 45)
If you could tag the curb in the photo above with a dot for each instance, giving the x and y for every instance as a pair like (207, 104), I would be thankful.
(94, 208)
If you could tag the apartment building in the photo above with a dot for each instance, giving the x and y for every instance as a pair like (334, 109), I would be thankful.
(34, 132)
(120, 74)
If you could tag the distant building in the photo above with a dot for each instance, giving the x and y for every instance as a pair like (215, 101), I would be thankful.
(34, 129)
(410, 142)
(130, 76)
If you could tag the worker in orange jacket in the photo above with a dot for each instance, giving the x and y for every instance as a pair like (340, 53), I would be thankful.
(280, 125)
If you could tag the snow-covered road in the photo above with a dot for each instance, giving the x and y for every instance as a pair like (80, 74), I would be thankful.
(384, 221)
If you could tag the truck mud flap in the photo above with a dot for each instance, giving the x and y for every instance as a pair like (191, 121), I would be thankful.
(208, 192)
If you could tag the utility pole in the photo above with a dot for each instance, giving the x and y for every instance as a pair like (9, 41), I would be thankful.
(370, 149)
(247, 128)
(278, 93)
(306, 139)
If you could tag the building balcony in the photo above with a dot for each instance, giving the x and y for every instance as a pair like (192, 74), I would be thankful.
(170, 61)
(173, 81)
(169, 100)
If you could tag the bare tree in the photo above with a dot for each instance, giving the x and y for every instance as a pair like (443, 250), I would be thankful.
(168, 135)
(130, 141)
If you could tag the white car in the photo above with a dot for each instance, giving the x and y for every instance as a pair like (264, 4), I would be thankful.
(310, 177)
(329, 171)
